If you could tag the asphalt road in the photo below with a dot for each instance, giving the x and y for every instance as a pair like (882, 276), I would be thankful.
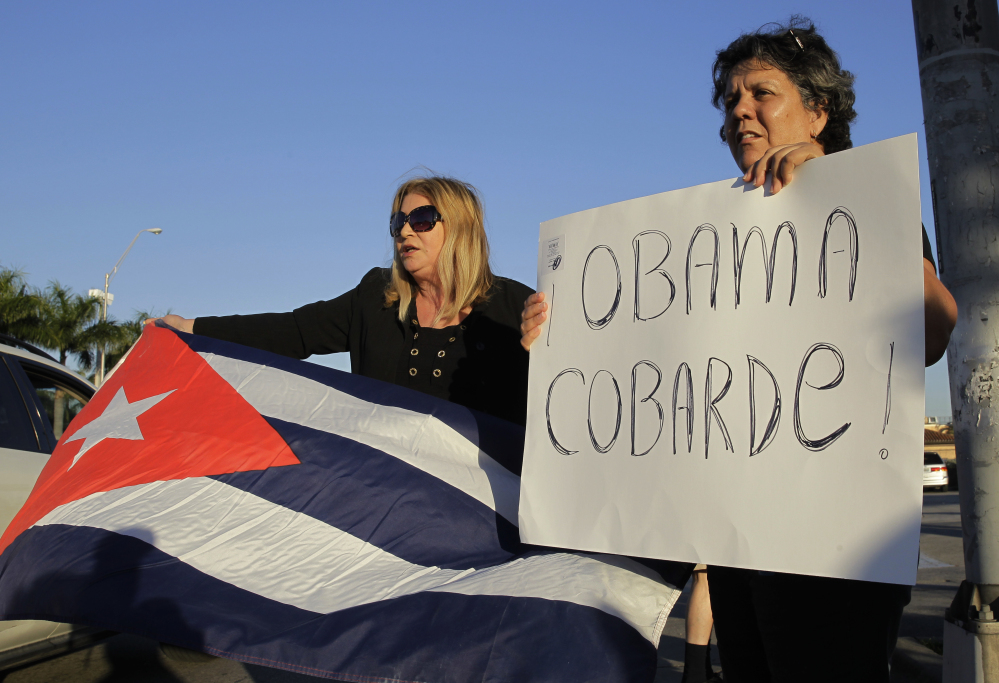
(939, 544)
(130, 659)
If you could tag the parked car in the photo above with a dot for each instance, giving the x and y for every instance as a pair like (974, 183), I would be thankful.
(38, 399)
(934, 472)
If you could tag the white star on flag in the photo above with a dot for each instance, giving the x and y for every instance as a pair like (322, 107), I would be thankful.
(118, 421)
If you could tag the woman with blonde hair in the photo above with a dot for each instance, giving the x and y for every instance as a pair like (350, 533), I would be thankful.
(438, 321)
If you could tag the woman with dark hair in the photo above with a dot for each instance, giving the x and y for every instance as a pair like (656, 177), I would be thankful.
(801, 55)
(438, 321)
(787, 100)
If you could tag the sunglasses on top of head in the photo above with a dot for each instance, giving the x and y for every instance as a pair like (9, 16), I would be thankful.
(420, 219)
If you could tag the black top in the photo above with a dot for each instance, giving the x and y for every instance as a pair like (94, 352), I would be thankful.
(479, 364)
(426, 357)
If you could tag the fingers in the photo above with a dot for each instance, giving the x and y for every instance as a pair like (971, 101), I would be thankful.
(531, 312)
(533, 316)
(533, 321)
(535, 298)
(174, 321)
(780, 162)
(786, 160)
(534, 305)
(782, 166)
(528, 338)
(757, 173)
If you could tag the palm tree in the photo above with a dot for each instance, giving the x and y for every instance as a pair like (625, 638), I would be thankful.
(20, 306)
(71, 326)
(129, 332)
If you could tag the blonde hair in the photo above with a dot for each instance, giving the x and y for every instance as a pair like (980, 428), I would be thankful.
(463, 264)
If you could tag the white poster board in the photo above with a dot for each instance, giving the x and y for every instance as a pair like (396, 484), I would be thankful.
(736, 378)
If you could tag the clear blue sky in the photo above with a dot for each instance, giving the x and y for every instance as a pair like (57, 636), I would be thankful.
(266, 138)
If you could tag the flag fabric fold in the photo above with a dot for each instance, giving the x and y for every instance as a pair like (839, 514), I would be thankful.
(277, 512)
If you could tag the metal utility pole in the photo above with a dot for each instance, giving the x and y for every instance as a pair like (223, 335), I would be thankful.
(106, 299)
(958, 48)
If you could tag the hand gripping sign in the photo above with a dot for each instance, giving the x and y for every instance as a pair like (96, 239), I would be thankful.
(736, 378)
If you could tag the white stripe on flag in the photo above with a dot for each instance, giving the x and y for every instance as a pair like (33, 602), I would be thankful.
(272, 551)
(418, 439)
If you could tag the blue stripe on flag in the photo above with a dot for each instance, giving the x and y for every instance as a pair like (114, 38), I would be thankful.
(92, 576)
(382, 500)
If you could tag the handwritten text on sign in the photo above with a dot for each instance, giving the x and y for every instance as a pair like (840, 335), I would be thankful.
(735, 378)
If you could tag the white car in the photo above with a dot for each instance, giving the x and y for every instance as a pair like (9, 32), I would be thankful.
(38, 398)
(934, 472)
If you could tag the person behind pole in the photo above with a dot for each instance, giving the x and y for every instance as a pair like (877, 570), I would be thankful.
(786, 100)
(438, 321)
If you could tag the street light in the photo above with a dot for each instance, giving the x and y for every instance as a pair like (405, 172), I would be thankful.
(104, 299)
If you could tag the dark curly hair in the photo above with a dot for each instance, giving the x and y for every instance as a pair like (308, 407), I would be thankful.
(811, 65)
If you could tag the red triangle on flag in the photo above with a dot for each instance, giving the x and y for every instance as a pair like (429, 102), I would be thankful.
(198, 426)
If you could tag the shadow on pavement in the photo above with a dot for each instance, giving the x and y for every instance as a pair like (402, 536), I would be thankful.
(135, 659)
(941, 530)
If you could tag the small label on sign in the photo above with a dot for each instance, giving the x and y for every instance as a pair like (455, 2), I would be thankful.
(553, 252)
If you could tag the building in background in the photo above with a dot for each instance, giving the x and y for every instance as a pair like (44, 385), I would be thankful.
(939, 438)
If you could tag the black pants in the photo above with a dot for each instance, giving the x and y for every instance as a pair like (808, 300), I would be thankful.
(777, 628)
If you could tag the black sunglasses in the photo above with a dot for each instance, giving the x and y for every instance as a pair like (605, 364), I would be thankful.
(420, 219)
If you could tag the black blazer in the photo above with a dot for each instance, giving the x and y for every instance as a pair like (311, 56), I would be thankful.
(488, 371)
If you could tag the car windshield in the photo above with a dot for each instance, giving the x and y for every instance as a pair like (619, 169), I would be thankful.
(932, 459)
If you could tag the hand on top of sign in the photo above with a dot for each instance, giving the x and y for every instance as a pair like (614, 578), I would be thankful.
(533, 315)
(174, 321)
(781, 161)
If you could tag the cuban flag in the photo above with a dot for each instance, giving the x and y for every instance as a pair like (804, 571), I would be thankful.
(277, 512)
